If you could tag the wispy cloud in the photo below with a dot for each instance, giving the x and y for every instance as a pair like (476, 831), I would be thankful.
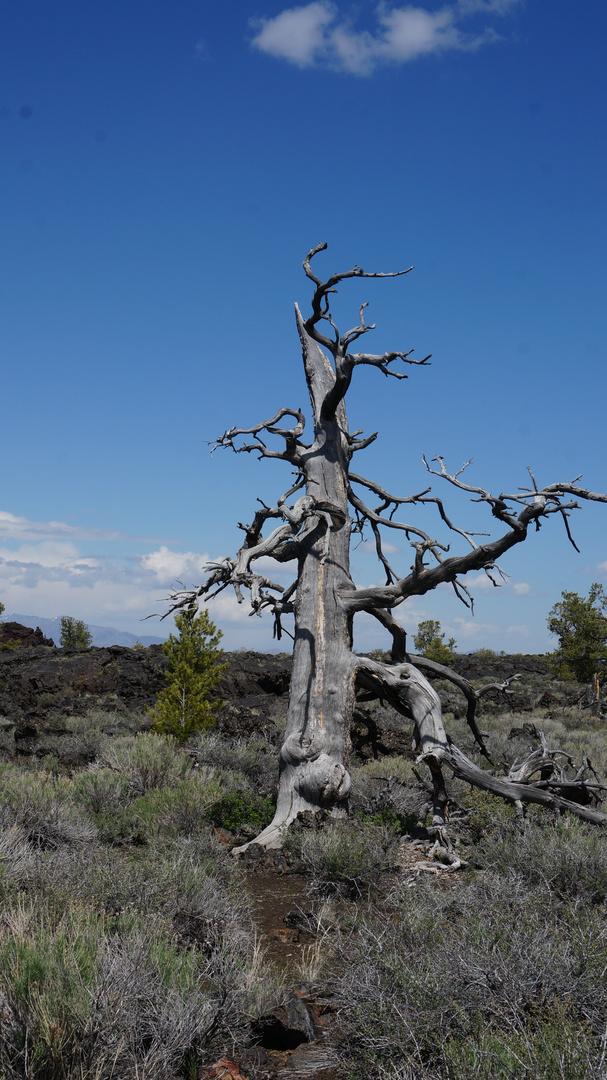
(48, 568)
(30, 565)
(484, 583)
(13, 527)
(471, 631)
(319, 34)
(521, 588)
(52, 576)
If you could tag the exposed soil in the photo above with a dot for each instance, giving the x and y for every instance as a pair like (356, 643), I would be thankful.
(300, 1037)
(274, 897)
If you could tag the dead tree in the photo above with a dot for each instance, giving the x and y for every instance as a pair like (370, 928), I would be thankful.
(314, 522)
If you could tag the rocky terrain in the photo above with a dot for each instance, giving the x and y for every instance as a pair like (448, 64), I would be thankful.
(363, 949)
(40, 682)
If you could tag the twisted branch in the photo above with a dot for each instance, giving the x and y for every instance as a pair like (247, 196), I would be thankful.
(408, 691)
(532, 504)
(338, 344)
(282, 545)
(291, 436)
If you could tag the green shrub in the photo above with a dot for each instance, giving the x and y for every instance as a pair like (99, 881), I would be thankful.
(387, 792)
(255, 759)
(456, 984)
(119, 826)
(179, 810)
(430, 642)
(569, 858)
(72, 751)
(239, 808)
(151, 879)
(343, 857)
(99, 720)
(101, 791)
(11, 645)
(390, 819)
(91, 993)
(74, 633)
(16, 855)
(43, 806)
(580, 624)
(486, 814)
(556, 1045)
(149, 760)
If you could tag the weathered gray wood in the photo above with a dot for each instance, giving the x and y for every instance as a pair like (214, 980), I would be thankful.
(407, 689)
(315, 752)
(316, 531)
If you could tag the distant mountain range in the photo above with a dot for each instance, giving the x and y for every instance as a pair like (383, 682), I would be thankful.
(102, 635)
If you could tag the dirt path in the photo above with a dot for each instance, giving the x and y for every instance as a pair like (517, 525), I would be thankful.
(274, 896)
(297, 1038)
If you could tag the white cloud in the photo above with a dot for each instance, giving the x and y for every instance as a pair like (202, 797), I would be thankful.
(13, 527)
(316, 34)
(483, 583)
(169, 566)
(47, 553)
(52, 577)
(297, 34)
(469, 629)
(521, 588)
(410, 32)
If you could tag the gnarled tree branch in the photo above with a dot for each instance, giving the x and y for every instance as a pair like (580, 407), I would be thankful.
(409, 692)
(281, 545)
(338, 344)
(293, 448)
(533, 507)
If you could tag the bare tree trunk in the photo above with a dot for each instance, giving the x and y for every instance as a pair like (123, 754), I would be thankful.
(316, 750)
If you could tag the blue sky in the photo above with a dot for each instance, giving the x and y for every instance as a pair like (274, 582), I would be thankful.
(165, 168)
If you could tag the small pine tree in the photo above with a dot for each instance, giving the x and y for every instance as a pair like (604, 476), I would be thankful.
(1, 610)
(183, 707)
(580, 624)
(75, 633)
(430, 642)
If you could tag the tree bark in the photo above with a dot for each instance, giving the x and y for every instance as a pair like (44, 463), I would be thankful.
(409, 692)
(315, 753)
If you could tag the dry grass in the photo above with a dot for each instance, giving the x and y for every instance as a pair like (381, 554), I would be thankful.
(127, 947)
(127, 951)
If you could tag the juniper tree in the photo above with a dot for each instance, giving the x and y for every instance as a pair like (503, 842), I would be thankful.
(431, 643)
(74, 633)
(312, 524)
(580, 624)
(183, 708)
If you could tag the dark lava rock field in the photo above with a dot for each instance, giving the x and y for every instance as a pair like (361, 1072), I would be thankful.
(40, 682)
